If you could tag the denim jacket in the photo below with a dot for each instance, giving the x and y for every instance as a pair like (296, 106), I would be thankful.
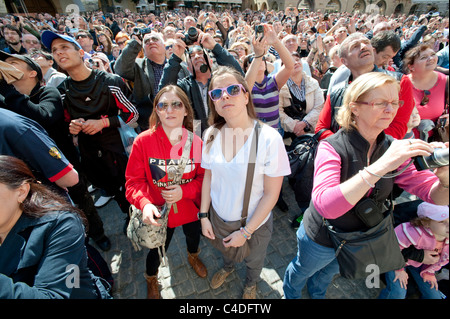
(46, 257)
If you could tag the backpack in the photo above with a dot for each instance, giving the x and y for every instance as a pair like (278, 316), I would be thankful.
(301, 154)
(98, 265)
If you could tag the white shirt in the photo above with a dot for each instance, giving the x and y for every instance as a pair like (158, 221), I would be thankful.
(228, 178)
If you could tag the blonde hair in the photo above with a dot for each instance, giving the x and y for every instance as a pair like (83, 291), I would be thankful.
(362, 85)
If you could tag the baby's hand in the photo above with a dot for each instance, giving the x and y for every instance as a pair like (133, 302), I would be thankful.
(402, 277)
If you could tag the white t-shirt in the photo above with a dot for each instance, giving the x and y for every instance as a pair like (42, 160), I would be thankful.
(228, 178)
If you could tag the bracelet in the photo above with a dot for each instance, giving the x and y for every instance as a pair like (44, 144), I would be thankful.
(443, 186)
(245, 233)
(105, 122)
(367, 170)
(365, 180)
(259, 56)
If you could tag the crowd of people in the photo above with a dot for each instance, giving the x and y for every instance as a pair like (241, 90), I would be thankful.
(246, 84)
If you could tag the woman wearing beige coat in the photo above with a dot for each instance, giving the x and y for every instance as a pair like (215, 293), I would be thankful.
(301, 101)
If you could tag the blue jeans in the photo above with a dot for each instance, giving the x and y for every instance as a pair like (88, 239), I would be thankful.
(314, 265)
(394, 291)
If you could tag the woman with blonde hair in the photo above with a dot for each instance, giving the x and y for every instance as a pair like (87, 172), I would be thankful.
(354, 168)
(241, 48)
(155, 156)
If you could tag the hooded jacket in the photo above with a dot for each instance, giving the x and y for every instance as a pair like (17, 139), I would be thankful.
(421, 238)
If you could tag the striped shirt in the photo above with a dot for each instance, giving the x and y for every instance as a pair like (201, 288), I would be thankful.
(265, 97)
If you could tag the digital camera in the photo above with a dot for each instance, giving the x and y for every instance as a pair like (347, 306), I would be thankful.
(191, 36)
(438, 159)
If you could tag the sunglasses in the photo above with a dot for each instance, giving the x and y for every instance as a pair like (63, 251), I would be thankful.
(169, 46)
(425, 98)
(81, 36)
(232, 90)
(163, 106)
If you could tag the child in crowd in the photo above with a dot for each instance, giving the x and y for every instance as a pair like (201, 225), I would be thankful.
(413, 122)
(428, 231)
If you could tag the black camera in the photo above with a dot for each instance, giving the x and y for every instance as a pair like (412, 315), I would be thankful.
(138, 31)
(259, 29)
(438, 159)
(191, 36)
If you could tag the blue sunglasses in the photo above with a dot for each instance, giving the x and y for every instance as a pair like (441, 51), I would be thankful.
(232, 90)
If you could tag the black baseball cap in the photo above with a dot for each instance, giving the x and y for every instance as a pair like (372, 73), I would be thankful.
(25, 58)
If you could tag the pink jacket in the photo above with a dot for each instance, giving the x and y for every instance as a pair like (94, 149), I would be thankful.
(421, 238)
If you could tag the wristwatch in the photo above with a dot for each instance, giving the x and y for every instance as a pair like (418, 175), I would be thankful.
(202, 215)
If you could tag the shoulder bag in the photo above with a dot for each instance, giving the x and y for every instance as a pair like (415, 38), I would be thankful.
(301, 154)
(152, 236)
(222, 228)
(358, 251)
(441, 130)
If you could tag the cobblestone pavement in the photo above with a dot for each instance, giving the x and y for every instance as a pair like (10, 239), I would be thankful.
(179, 281)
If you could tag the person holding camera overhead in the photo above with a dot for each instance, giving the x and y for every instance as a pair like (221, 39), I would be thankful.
(200, 66)
(358, 166)
(144, 72)
(266, 88)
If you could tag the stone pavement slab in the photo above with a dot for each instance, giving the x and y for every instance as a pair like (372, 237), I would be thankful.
(179, 281)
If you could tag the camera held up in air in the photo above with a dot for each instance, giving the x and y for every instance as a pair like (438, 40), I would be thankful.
(191, 36)
(438, 159)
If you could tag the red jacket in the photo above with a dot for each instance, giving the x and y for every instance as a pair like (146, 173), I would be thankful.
(151, 158)
(398, 127)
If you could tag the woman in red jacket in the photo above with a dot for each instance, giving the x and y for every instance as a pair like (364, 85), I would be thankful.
(155, 155)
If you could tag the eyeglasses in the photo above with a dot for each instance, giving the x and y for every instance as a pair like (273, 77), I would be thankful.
(425, 98)
(151, 39)
(384, 104)
(81, 36)
(163, 106)
(232, 90)
(36, 56)
(30, 41)
(121, 42)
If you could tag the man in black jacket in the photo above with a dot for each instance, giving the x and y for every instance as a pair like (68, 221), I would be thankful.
(200, 65)
(112, 24)
(144, 72)
(98, 104)
(29, 98)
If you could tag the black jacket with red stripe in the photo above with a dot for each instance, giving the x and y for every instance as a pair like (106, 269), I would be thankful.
(100, 95)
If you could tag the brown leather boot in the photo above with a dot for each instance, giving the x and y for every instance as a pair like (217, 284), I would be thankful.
(197, 264)
(152, 286)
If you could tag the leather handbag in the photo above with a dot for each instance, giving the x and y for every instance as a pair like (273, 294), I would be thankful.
(357, 250)
(152, 236)
(301, 154)
(223, 228)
